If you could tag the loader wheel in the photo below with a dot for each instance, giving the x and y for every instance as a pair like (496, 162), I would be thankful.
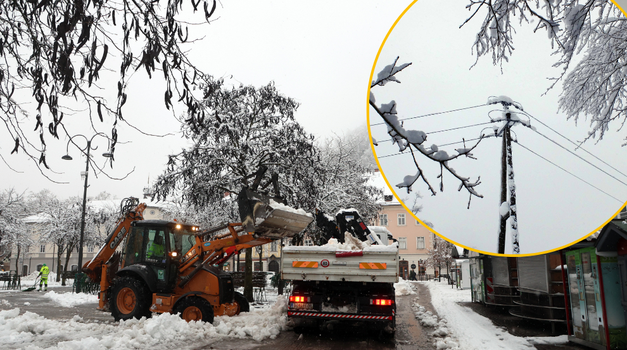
(241, 301)
(129, 299)
(194, 309)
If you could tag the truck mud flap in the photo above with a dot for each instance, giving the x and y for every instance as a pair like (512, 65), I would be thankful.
(280, 223)
(339, 316)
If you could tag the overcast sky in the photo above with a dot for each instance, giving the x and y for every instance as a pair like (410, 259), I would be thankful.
(319, 53)
(554, 208)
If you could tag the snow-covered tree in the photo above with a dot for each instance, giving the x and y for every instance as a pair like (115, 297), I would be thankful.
(344, 178)
(440, 254)
(13, 208)
(413, 141)
(62, 228)
(55, 53)
(595, 88)
(211, 215)
(247, 129)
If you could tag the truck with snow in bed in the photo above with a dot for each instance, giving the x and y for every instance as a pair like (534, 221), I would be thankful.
(346, 279)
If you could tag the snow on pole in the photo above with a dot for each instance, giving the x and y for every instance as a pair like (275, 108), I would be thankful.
(507, 209)
(513, 215)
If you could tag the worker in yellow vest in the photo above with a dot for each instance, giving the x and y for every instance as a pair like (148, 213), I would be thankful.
(43, 273)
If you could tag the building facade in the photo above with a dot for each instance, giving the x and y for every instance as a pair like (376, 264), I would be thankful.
(414, 240)
(33, 257)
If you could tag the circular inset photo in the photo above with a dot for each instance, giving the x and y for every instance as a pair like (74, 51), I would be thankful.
(499, 125)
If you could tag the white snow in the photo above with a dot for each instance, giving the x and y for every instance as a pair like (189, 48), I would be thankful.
(403, 287)
(504, 209)
(280, 206)
(453, 327)
(350, 244)
(164, 331)
(71, 299)
(458, 324)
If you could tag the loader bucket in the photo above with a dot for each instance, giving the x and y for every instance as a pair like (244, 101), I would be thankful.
(281, 222)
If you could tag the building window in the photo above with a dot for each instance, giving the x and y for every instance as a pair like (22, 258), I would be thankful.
(308, 242)
(402, 243)
(42, 248)
(273, 246)
(383, 220)
(401, 219)
(90, 249)
(420, 243)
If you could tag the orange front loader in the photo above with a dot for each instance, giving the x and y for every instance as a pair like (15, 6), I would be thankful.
(167, 266)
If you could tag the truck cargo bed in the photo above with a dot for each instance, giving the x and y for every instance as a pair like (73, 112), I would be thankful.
(372, 264)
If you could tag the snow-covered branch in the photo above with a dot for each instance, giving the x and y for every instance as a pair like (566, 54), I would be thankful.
(595, 88)
(413, 140)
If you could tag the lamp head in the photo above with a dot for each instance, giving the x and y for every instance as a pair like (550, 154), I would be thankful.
(66, 157)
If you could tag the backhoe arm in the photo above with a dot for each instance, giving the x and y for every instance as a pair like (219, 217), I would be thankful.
(93, 268)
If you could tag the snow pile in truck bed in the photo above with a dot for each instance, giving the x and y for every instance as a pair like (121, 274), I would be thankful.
(350, 244)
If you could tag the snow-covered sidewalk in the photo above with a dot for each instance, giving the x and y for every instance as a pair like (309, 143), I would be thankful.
(459, 327)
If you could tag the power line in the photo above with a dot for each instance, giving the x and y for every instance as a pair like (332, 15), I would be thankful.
(580, 157)
(577, 177)
(451, 129)
(576, 144)
(432, 114)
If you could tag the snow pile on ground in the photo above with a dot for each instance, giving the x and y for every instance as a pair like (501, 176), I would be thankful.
(71, 299)
(476, 332)
(426, 318)
(403, 287)
(164, 331)
(441, 334)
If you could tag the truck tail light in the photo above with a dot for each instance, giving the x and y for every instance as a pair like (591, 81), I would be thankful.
(381, 302)
(299, 299)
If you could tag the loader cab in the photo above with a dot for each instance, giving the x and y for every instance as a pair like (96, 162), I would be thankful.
(156, 246)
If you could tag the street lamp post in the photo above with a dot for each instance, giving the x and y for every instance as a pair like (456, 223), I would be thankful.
(79, 276)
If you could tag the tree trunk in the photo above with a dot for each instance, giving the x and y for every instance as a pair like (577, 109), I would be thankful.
(248, 275)
(17, 260)
(59, 253)
(68, 254)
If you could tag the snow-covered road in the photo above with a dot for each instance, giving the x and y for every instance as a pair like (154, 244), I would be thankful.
(454, 327)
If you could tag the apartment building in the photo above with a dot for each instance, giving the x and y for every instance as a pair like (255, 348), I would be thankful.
(414, 240)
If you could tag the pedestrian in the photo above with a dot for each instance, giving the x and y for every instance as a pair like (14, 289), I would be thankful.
(43, 273)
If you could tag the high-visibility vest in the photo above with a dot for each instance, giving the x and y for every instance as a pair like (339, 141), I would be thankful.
(155, 250)
(44, 271)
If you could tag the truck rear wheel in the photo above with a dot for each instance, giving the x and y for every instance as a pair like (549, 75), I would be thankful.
(241, 301)
(129, 299)
(194, 309)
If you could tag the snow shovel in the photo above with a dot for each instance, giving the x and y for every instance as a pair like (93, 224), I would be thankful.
(29, 289)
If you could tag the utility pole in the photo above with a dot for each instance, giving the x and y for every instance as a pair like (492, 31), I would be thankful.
(507, 209)
(504, 216)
